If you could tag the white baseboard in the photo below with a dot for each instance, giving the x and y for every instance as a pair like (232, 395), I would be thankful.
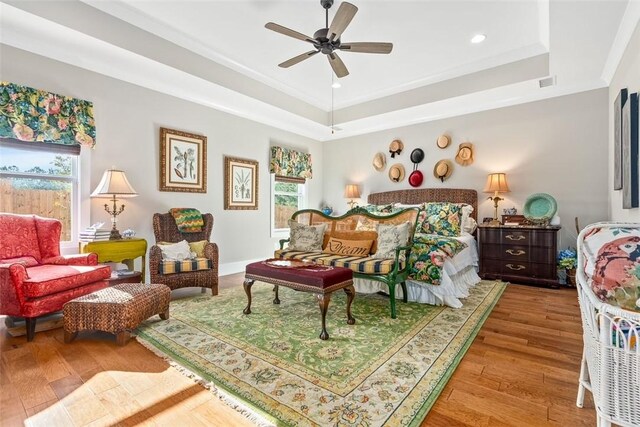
(235, 267)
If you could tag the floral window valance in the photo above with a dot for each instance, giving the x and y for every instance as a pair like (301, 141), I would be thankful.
(289, 163)
(33, 115)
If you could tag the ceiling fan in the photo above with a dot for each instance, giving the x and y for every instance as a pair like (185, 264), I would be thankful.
(327, 40)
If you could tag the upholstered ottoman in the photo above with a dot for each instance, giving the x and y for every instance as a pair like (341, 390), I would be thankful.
(118, 309)
(302, 276)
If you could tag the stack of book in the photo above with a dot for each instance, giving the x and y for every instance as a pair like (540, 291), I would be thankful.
(92, 234)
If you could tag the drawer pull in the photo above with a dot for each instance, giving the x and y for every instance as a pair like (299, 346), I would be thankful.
(515, 237)
(516, 267)
(516, 252)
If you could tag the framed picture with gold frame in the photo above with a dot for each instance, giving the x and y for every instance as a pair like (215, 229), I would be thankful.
(183, 161)
(240, 184)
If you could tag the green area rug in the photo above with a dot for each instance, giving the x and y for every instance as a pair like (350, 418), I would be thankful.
(380, 371)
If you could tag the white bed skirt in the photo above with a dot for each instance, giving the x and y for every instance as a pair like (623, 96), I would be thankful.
(453, 287)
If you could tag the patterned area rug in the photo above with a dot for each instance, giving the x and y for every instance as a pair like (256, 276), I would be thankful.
(380, 371)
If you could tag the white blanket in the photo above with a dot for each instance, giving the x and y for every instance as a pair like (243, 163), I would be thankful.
(458, 275)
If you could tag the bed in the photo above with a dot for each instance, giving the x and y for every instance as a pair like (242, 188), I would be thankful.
(459, 273)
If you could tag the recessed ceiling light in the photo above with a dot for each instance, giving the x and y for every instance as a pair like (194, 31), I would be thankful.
(336, 85)
(478, 38)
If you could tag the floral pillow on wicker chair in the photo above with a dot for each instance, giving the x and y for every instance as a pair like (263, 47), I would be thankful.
(615, 269)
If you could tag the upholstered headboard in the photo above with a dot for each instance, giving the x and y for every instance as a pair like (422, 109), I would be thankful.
(421, 195)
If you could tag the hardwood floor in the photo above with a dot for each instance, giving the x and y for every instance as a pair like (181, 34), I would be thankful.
(522, 369)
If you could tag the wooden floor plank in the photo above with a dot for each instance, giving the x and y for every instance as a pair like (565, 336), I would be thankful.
(520, 370)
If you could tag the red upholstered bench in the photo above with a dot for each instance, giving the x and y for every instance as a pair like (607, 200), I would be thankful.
(302, 276)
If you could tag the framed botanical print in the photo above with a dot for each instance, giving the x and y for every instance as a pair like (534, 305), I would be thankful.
(240, 183)
(183, 161)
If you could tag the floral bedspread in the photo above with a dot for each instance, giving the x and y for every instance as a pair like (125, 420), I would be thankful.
(428, 255)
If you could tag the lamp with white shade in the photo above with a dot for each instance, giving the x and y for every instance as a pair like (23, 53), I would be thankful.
(351, 191)
(496, 183)
(115, 185)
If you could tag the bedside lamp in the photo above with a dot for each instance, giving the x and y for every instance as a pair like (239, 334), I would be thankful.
(115, 185)
(351, 191)
(496, 183)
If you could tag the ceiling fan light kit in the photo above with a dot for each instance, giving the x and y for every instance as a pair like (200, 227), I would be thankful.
(327, 40)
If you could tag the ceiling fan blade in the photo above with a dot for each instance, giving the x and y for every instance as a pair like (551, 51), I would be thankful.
(289, 32)
(338, 66)
(343, 17)
(367, 47)
(299, 58)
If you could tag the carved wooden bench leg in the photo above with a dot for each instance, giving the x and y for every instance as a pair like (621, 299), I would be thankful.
(324, 300)
(351, 293)
(276, 300)
(247, 289)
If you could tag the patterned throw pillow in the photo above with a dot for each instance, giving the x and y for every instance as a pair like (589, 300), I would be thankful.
(613, 265)
(381, 210)
(306, 238)
(356, 235)
(348, 247)
(390, 237)
(198, 247)
(442, 218)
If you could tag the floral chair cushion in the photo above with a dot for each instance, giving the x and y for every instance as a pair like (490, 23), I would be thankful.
(442, 218)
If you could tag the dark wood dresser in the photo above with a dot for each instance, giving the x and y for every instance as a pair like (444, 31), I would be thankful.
(521, 254)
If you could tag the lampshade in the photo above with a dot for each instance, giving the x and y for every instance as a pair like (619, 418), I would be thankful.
(351, 191)
(114, 182)
(496, 183)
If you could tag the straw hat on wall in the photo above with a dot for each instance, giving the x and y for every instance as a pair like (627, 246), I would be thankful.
(465, 154)
(443, 169)
(379, 162)
(395, 147)
(396, 173)
(443, 141)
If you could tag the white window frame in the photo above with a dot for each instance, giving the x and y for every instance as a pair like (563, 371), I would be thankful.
(77, 168)
(302, 204)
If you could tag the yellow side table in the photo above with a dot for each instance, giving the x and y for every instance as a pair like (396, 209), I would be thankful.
(124, 251)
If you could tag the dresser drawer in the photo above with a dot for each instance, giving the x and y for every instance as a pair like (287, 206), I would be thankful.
(518, 253)
(520, 268)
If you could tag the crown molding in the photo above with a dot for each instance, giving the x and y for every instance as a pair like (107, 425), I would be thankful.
(630, 21)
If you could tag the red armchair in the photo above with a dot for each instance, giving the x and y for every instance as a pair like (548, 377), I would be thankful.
(34, 278)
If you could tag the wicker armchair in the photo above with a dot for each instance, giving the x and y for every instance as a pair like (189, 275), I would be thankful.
(165, 230)
(610, 367)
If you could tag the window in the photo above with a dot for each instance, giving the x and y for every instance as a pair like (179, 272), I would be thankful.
(40, 181)
(288, 196)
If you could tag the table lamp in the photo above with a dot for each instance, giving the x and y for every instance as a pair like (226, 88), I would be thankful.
(496, 183)
(114, 184)
(351, 191)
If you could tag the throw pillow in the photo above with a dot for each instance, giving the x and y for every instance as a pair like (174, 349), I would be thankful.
(176, 251)
(468, 224)
(442, 218)
(198, 247)
(307, 238)
(390, 237)
(355, 235)
(366, 224)
(348, 247)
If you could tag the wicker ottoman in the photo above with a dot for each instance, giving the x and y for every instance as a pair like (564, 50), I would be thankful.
(117, 309)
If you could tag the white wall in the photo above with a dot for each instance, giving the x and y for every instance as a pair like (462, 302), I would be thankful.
(557, 146)
(627, 76)
(128, 119)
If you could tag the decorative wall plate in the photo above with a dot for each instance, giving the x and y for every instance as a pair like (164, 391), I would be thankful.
(540, 207)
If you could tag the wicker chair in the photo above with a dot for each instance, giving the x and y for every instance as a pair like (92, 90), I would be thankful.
(610, 367)
(165, 230)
